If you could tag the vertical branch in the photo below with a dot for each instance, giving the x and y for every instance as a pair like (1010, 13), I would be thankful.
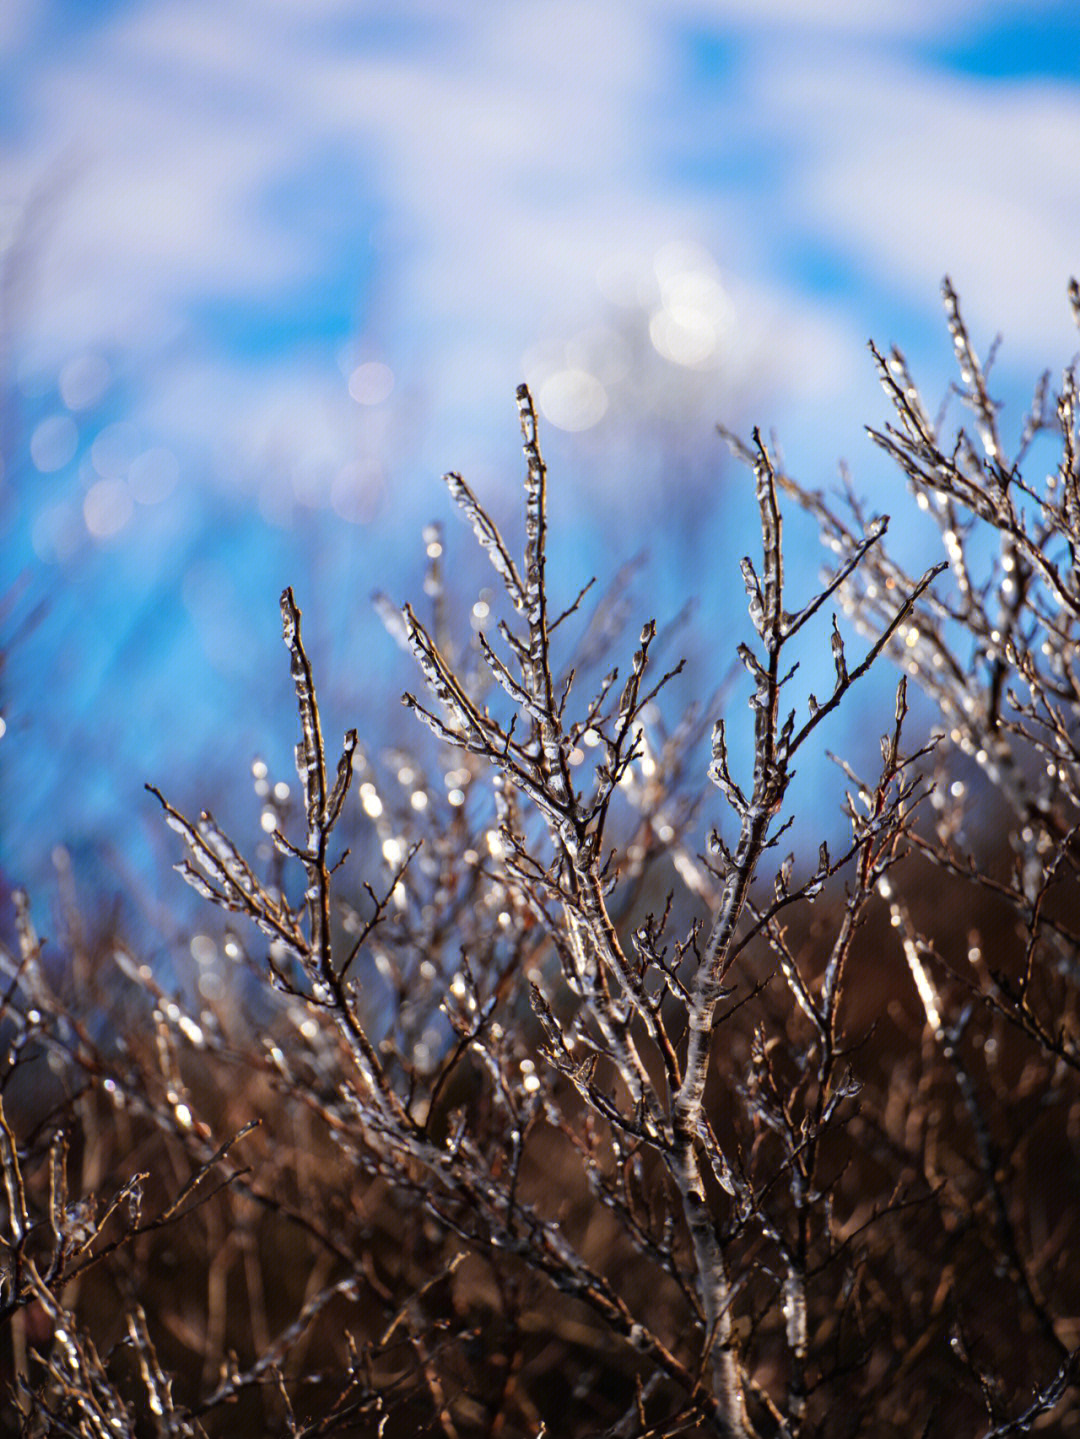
(322, 809)
(535, 544)
(537, 660)
(18, 1217)
(310, 755)
(770, 782)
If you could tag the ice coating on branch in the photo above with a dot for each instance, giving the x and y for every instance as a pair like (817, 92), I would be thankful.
(342, 780)
(196, 880)
(490, 539)
(310, 762)
(535, 532)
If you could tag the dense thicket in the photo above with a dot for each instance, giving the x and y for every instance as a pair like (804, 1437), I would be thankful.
(531, 1117)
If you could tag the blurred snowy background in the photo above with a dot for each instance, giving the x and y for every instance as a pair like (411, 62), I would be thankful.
(270, 268)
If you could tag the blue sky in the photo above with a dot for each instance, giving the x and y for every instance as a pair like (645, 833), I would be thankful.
(271, 268)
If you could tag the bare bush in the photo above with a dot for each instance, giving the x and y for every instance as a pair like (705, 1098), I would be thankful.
(559, 1126)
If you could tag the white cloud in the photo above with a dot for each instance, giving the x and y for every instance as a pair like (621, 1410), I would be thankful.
(508, 155)
(915, 178)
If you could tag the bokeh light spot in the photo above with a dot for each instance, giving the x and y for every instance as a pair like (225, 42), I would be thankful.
(84, 380)
(694, 308)
(683, 335)
(371, 383)
(107, 508)
(53, 443)
(573, 400)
